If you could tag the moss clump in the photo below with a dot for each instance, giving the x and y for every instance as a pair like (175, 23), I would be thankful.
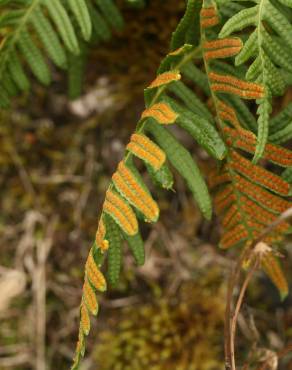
(182, 332)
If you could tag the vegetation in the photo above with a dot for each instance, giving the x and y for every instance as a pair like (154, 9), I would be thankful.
(220, 83)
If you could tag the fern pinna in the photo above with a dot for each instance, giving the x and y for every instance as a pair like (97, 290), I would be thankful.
(249, 196)
(61, 28)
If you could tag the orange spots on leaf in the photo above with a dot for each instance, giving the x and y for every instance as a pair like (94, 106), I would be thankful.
(208, 12)
(273, 270)
(161, 112)
(84, 319)
(246, 140)
(279, 155)
(90, 297)
(260, 195)
(222, 48)
(100, 236)
(216, 179)
(222, 53)
(224, 199)
(259, 174)
(245, 94)
(227, 113)
(234, 236)
(209, 22)
(231, 217)
(260, 214)
(222, 43)
(165, 78)
(128, 185)
(225, 116)
(94, 274)
(147, 150)
(209, 17)
(233, 85)
(121, 212)
(236, 82)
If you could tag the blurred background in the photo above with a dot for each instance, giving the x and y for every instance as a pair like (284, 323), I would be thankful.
(57, 157)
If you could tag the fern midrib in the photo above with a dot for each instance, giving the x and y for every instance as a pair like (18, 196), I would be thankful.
(15, 37)
(220, 126)
(142, 122)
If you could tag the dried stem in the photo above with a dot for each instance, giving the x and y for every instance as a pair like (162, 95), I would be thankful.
(230, 314)
(234, 317)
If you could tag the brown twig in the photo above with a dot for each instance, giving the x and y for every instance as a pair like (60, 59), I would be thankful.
(237, 309)
(232, 282)
(230, 314)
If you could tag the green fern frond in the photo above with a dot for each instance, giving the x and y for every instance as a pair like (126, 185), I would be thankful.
(111, 13)
(80, 10)
(113, 236)
(188, 30)
(168, 101)
(76, 69)
(136, 245)
(269, 47)
(182, 161)
(36, 30)
(248, 196)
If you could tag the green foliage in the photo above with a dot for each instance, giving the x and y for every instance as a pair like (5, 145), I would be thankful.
(248, 196)
(115, 250)
(36, 30)
(268, 46)
(215, 105)
(136, 245)
(187, 31)
(164, 106)
(182, 161)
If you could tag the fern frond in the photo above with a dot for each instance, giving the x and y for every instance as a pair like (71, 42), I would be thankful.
(188, 30)
(168, 101)
(269, 47)
(80, 10)
(248, 196)
(34, 30)
(182, 161)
